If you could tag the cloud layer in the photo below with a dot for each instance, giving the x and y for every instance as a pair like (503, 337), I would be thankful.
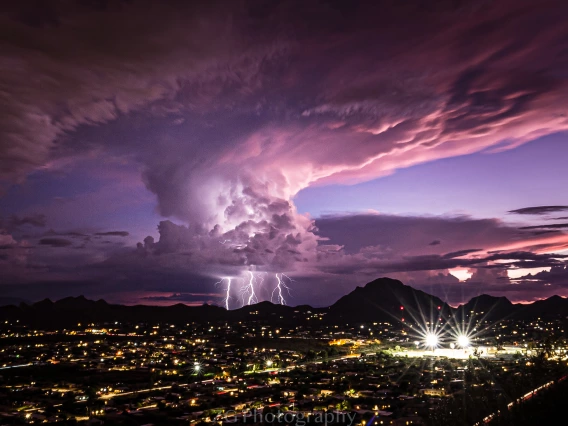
(229, 109)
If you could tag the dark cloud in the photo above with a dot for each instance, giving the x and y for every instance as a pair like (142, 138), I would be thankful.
(73, 234)
(410, 234)
(55, 242)
(558, 276)
(435, 243)
(17, 223)
(548, 226)
(539, 210)
(544, 232)
(113, 234)
(461, 253)
(374, 245)
(525, 255)
(106, 79)
(37, 220)
(185, 297)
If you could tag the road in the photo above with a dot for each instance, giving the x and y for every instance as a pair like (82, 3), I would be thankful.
(523, 398)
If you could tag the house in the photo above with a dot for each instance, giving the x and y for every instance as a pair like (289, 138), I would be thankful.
(433, 392)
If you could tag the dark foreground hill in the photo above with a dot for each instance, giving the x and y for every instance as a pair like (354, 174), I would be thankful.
(381, 300)
(386, 299)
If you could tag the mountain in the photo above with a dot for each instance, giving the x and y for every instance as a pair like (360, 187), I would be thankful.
(486, 307)
(79, 303)
(5, 301)
(386, 299)
(73, 310)
(553, 307)
(382, 300)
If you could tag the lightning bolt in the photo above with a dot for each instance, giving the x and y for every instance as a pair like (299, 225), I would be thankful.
(280, 284)
(248, 289)
(227, 291)
(227, 297)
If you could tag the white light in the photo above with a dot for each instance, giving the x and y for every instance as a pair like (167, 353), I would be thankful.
(268, 363)
(431, 340)
(463, 341)
(197, 367)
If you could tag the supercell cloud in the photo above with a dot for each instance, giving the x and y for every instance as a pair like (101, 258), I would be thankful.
(228, 110)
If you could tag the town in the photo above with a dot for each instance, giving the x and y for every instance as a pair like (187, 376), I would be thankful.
(254, 371)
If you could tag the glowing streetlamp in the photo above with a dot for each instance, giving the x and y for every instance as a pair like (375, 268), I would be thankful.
(197, 367)
(463, 341)
(431, 340)
(269, 363)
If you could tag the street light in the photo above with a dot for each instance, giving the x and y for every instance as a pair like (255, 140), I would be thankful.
(269, 363)
(431, 340)
(197, 367)
(463, 341)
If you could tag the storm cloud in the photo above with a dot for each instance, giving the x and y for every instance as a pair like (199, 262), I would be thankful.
(55, 242)
(113, 234)
(227, 109)
(539, 210)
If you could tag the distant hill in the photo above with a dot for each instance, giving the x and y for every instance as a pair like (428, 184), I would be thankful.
(72, 310)
(5, 301)
(273, 312)
(381, 300)
(386, 299)
(553, 307)
(489, 308)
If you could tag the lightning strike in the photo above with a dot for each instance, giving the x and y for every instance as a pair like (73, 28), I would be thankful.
(227, 291)
(248, 292)
(248, 289)
(278, 289)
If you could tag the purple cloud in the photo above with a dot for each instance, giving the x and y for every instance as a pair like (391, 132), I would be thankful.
(539, 210)
(226, 115)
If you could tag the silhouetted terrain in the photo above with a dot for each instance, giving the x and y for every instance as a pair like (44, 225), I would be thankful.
(383, 299)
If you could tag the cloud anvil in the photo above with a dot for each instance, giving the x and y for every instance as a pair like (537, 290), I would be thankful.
(327, 142)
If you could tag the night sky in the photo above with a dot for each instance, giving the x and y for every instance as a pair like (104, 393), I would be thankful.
(149, 150)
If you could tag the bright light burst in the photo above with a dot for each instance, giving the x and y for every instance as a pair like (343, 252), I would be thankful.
(463, 341)
(431, 340)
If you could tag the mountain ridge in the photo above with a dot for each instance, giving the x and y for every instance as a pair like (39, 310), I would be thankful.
(383, 299)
